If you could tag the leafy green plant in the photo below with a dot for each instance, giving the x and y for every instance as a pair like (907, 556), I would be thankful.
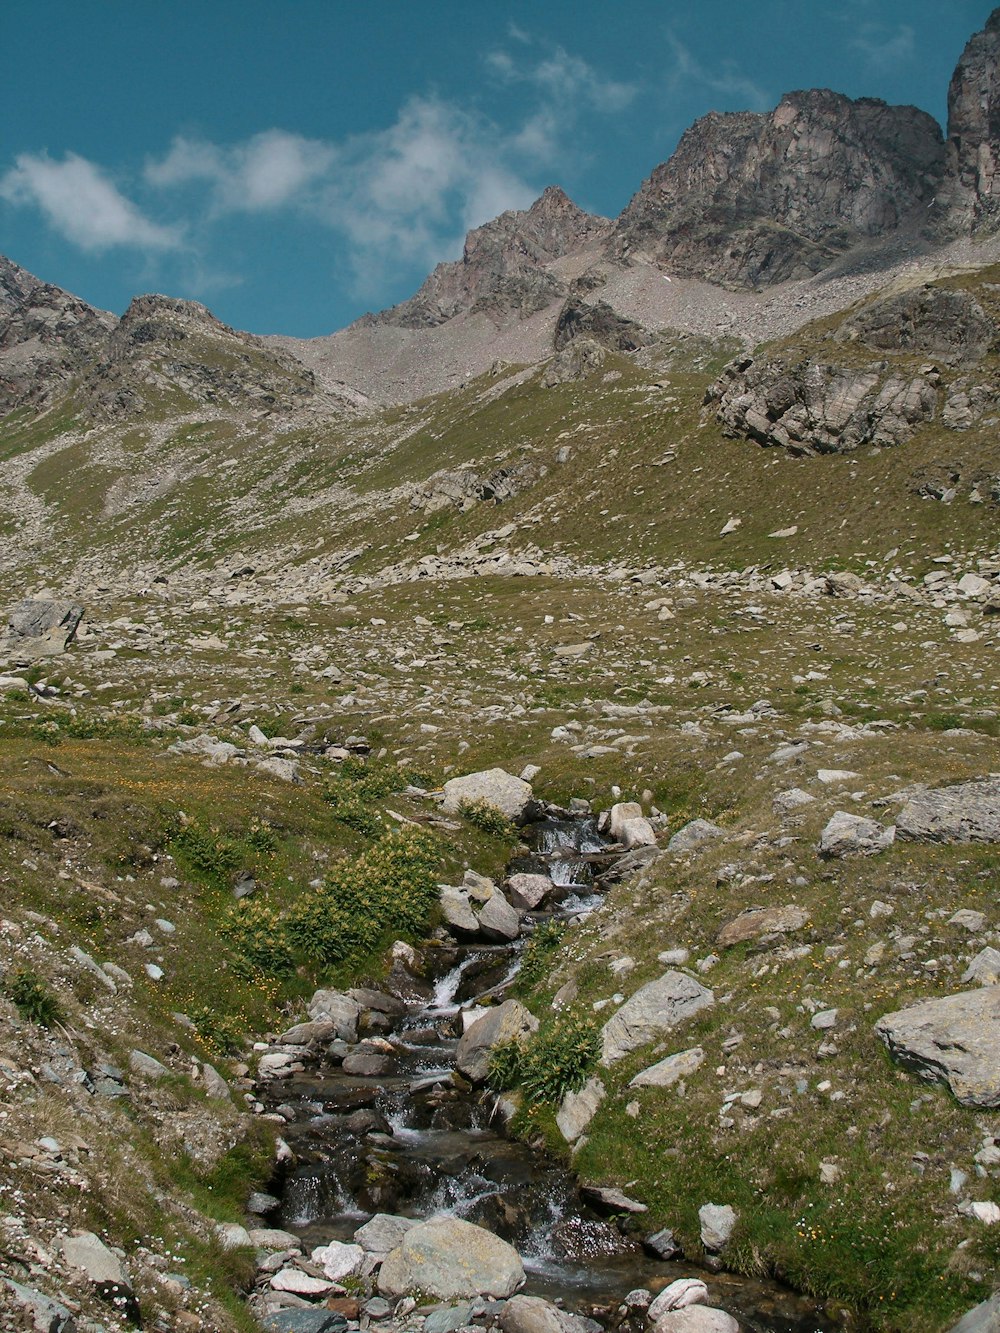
(32, 999)
(389, 890)
(541, 947)
(206, 851)
(487, 818)
(260, 939)
(557, 1059)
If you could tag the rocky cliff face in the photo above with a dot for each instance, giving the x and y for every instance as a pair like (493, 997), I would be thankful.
(16, 284)
(503, 270)
(752, 199)
(974, 129)
(46, 337)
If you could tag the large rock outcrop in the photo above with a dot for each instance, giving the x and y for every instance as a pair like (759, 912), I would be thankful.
(47, 337)
(955, 1040)
(974, 129)
(504, 266)
(818, 407)
(447, 1258)
(751, 199)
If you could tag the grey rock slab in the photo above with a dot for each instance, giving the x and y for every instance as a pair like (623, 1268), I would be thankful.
(340, 1008)
(577, 1109)
(955, 1040)
(718, 1221)
(449, 1258)
(984, 969)
(619, 817)
(966, 812)
(507, 1022)
(498, 920)
(89, 1253)
(983, 1318)
(608, 1196)
(456, 909)
(694, 835)
(46, 1315)
(508, 794)
(216, 1086)
(756, 922)
(382, 1233)
(853, 835)
(696, 1319)
(304, 1321)
(671, 1070)
(449, 1319)
(141, 1063)
(655, 1008)
(320, 1029)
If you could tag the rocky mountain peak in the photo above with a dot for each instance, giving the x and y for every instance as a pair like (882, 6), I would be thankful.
(16, 284)
(503, 270)
(756, 198)
(974, 127)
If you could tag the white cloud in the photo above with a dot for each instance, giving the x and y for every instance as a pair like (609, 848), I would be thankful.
(408, 193)
(81, 202)
(885, 47)
(724, 79)
(567, 80)
(267, 171)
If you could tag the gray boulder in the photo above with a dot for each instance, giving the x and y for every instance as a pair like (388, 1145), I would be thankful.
(578, 1109)
(655, 1008)
(507, 1022)
(527, 891)
(694, 835)
(498, 920)
(448, 1259)
(984, 969)
(47, 1315)
(852, 835)
(983, 1318)
(955, 1040)
(39, 628)
(89, 1253)
(718, 1222)
(508, 794)
(966, 812)
(456, 910)
(696, 1319)
(531, 1314)
(340, 1009)
(383, 1232)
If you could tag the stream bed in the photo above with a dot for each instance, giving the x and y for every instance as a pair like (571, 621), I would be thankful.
(385, 1127)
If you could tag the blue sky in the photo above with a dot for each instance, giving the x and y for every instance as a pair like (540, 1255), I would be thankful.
(294, 163)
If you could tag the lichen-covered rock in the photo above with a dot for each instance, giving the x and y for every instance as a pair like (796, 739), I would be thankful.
(449, 1258)
(954, 1040)
(507, 1022)
(655, 1008)
(966, 812)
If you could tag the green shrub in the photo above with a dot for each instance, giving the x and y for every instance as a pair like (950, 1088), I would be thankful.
(389, 890)
(557, 1059)
(32, 1000)
(487, 818)
(541, 947)
(259, 938)
(206, 852)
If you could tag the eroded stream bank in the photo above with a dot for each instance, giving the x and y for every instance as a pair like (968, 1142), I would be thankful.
(384, 1131)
